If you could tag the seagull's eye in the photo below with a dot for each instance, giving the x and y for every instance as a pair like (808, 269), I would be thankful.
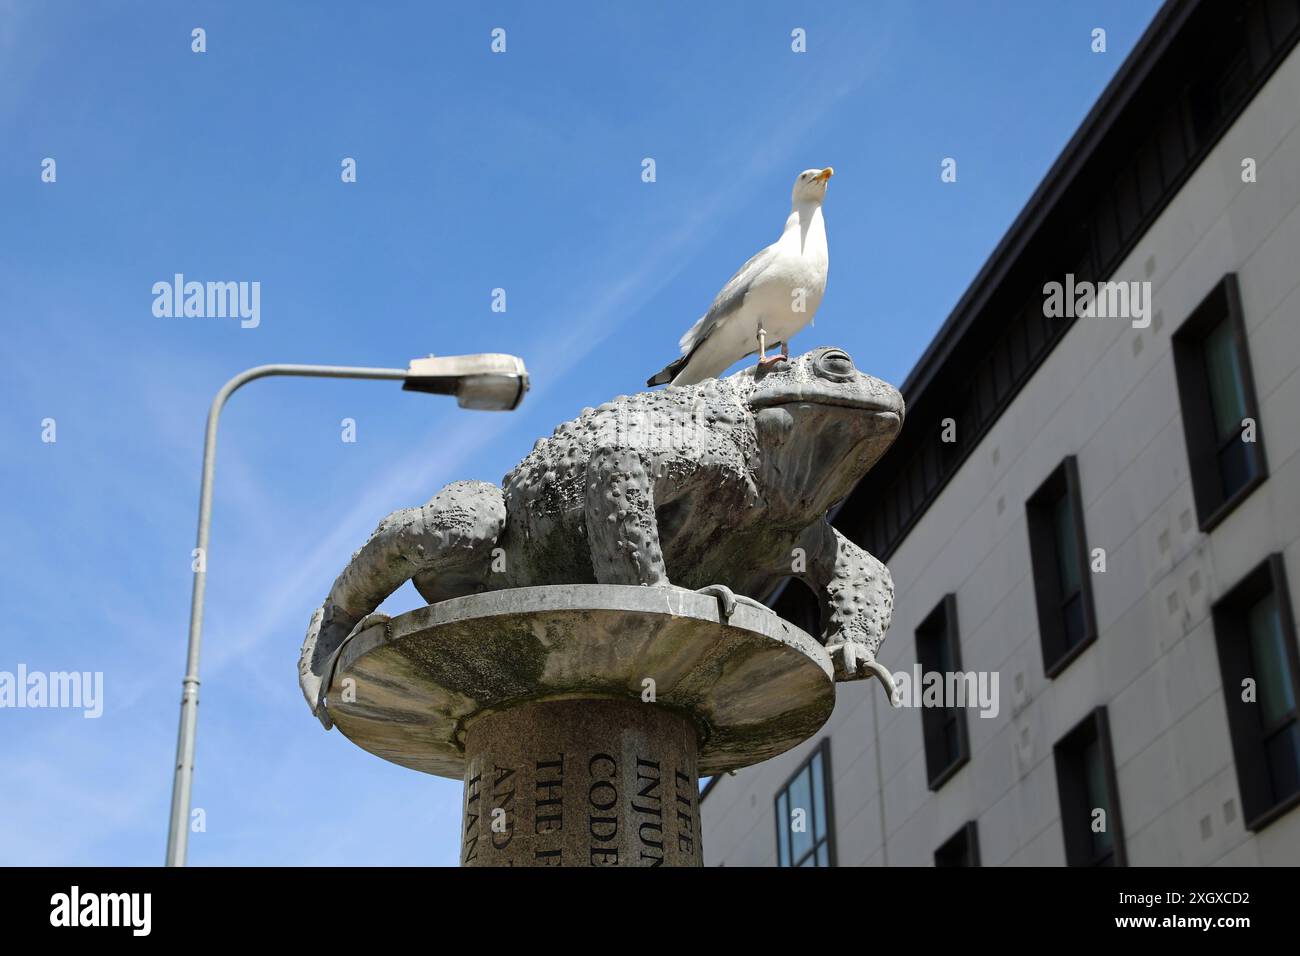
(835, 364)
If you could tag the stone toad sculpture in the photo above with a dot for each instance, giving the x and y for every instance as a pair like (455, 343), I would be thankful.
(721, 486)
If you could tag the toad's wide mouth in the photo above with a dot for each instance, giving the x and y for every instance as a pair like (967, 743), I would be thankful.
(816, 397)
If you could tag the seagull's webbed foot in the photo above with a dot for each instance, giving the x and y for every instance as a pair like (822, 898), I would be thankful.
(766, 362)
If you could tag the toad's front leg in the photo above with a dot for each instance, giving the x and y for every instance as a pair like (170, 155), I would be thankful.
(621, 528)
(857, 597)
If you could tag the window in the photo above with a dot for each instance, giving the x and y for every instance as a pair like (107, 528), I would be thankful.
(947, 747)
(1085, 780)
(1255, 633)
(1062, 583)
(804, 821)
(1217, 392)
(961, 849)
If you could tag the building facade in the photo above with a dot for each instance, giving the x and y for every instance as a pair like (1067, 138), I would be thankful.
(1094, 510)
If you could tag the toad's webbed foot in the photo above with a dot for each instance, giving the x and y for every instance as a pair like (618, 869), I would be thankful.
(853, 661)
(728, 599)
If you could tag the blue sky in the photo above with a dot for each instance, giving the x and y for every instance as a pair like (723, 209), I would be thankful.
(475, 171)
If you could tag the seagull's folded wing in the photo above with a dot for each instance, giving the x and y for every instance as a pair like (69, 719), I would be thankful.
(728, 300)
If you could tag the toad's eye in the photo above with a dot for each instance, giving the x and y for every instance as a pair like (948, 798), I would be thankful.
(835, 364)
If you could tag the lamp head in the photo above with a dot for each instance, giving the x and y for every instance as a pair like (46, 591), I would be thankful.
(490, 381)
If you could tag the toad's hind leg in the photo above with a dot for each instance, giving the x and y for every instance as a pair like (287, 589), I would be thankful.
(467, 517)
(445, 546)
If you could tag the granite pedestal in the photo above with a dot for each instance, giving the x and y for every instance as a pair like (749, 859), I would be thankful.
(581, 717)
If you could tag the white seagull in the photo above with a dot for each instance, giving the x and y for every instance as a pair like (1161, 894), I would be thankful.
(773, 296)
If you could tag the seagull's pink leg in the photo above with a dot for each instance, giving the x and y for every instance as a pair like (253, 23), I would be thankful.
(763, 360)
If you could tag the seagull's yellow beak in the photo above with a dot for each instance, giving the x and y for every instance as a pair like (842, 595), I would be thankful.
(825, 174)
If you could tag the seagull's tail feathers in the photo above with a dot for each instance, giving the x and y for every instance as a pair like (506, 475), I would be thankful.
(667, 373)
(688, 343)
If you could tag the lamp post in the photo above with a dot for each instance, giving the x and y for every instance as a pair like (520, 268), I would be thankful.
(489, 381)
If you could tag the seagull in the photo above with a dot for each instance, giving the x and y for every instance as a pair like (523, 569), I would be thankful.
(773, 296)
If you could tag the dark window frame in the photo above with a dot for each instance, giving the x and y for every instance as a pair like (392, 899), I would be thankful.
(823, 749)
(941, 625)
(1222, 303)
(968, 839)
(1071, 786)
(1255, 785)
(1050, 602)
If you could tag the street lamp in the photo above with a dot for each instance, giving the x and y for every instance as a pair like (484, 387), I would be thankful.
(490, 381)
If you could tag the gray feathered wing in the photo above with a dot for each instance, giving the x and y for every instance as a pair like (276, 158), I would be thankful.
(724, 304)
